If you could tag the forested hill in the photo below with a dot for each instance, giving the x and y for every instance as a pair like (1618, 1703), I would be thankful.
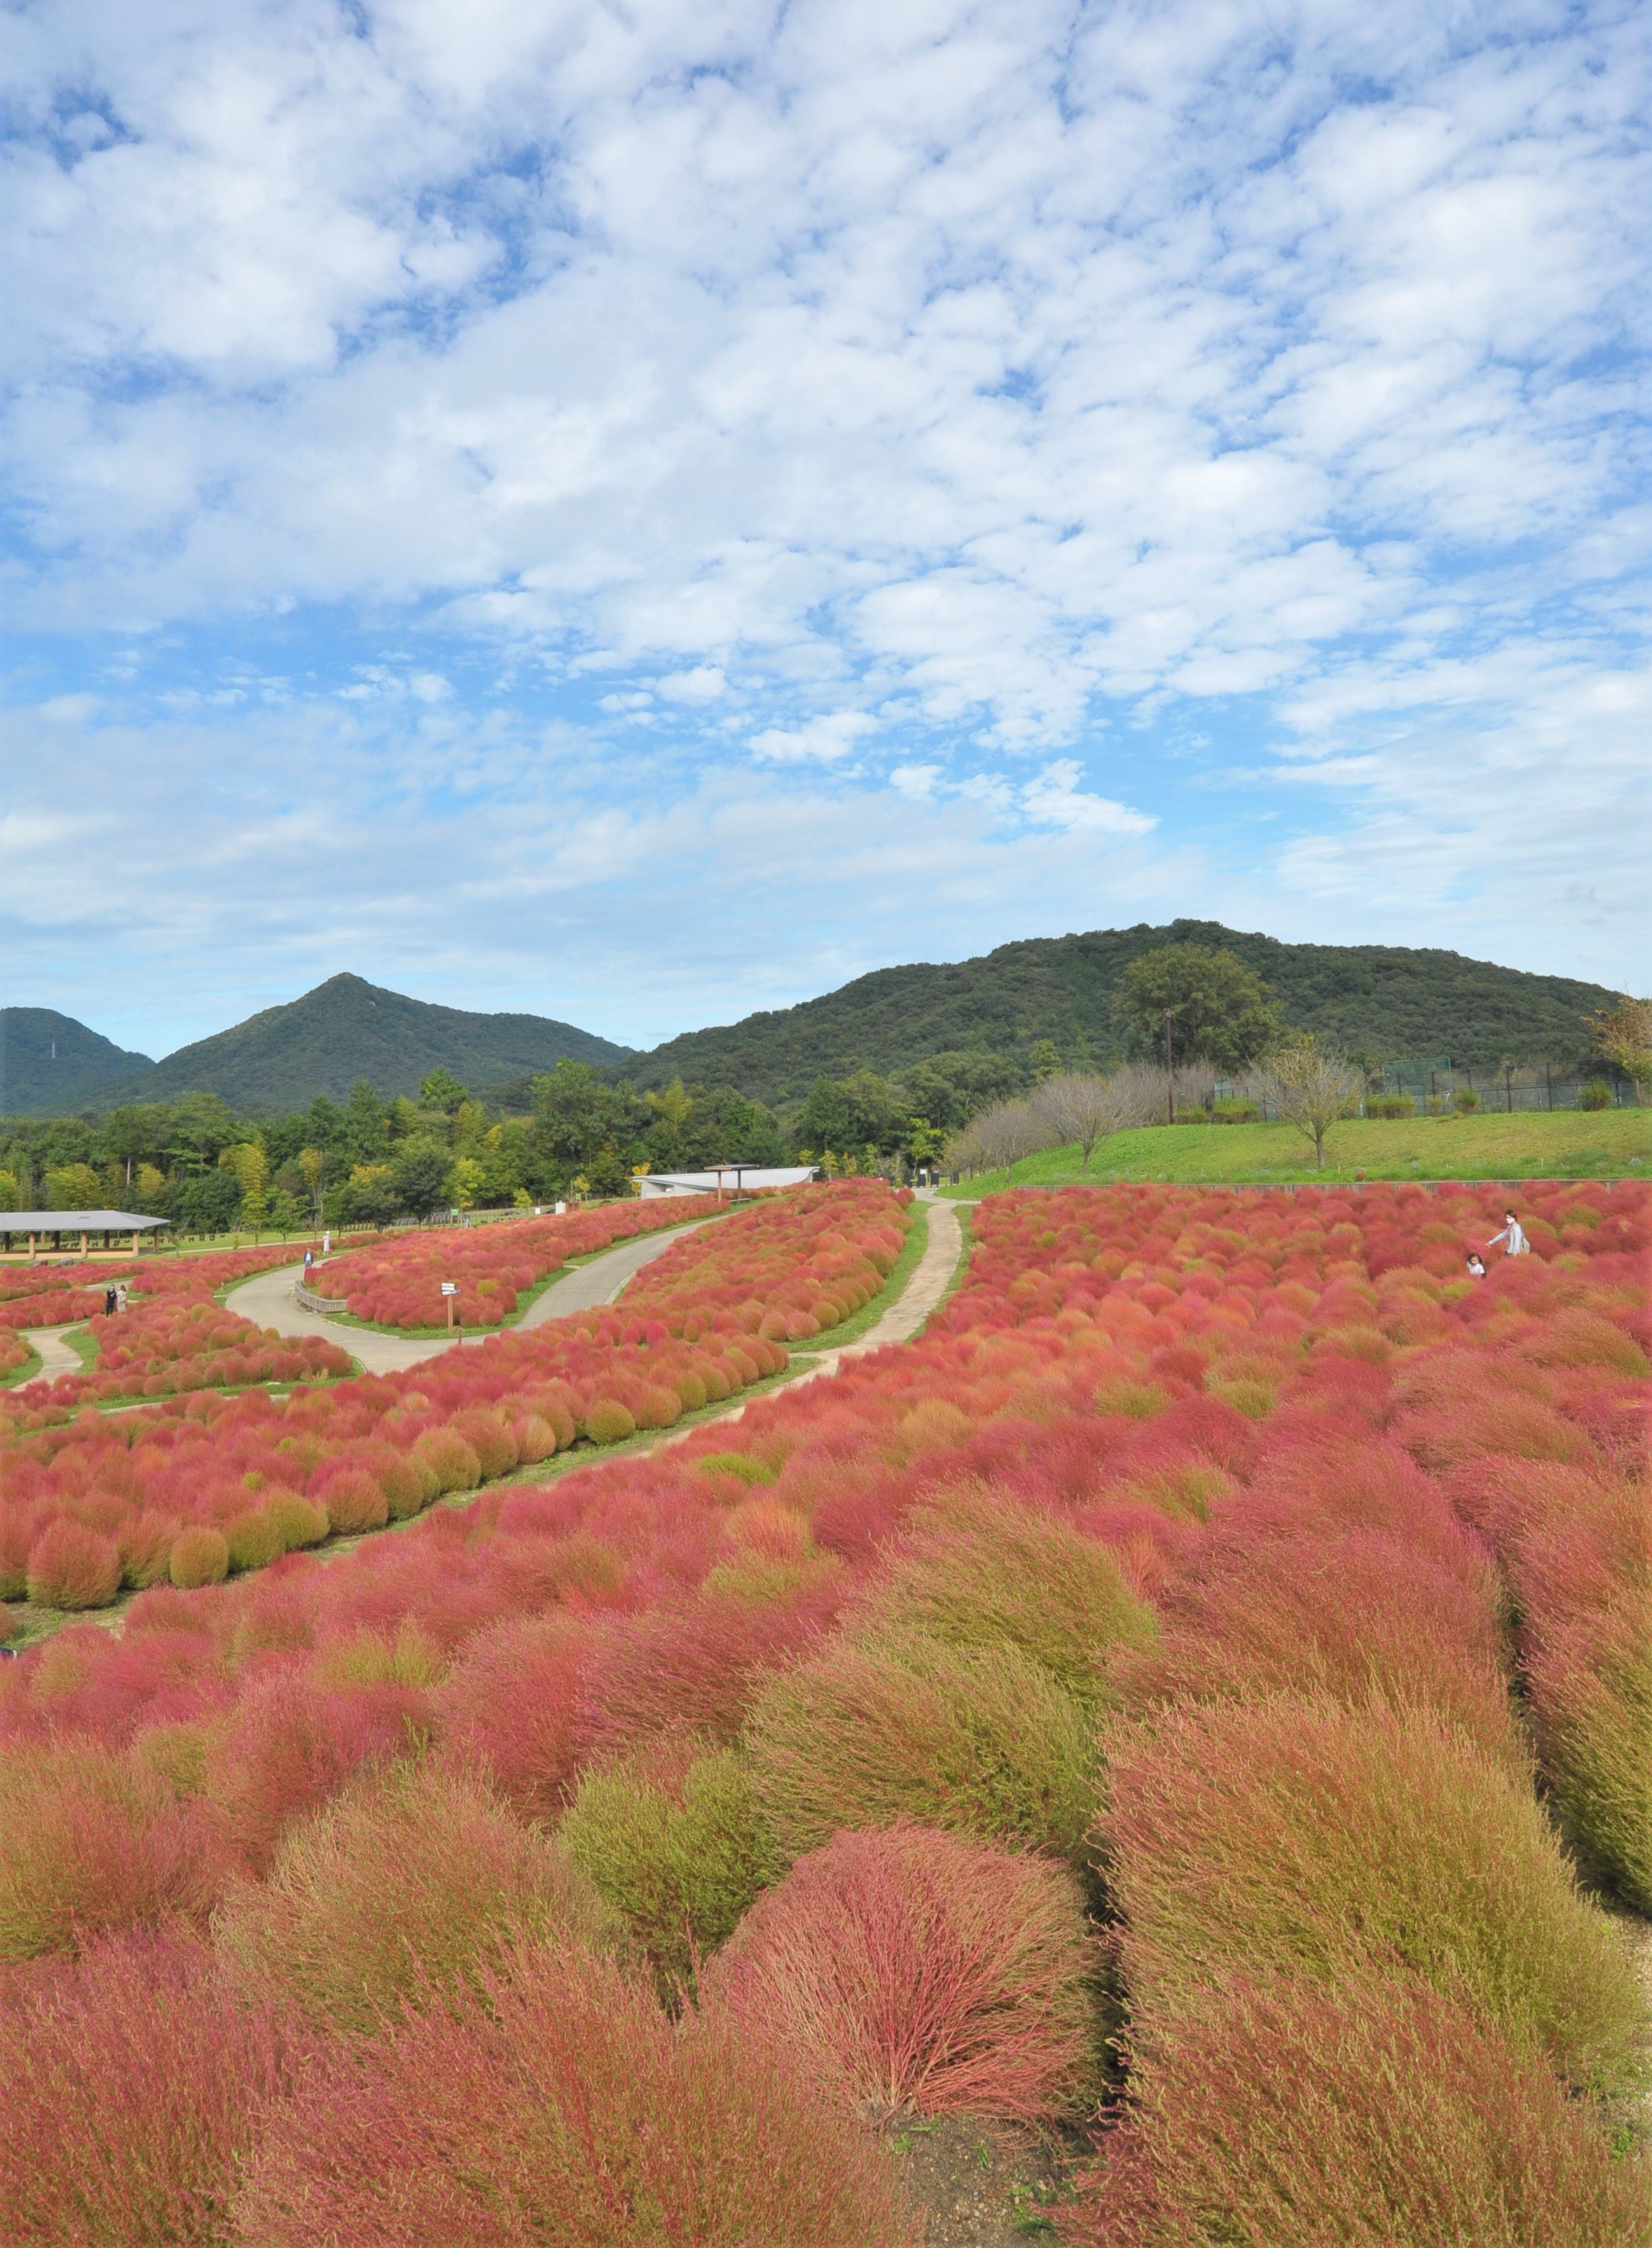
(50, 1065)
(346, 1029)
(1376, 999)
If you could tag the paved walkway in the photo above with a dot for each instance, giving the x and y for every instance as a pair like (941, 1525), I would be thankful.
(55, 1355)
(269, 1301)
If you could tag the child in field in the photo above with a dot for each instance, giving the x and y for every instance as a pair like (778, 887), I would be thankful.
(1511, 1233)
(1476, 1265)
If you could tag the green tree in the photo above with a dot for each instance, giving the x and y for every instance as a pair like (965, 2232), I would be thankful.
(1219, 1012)
(948, 1089)
(442, 1089)
(419, 1177)
(578, 1118)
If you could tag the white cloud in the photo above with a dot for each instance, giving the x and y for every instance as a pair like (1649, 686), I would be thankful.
(985, 365)
(1056, 800)
(818, 741)
(705, 683)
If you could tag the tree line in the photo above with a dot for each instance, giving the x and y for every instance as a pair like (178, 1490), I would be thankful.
(1186, 1014)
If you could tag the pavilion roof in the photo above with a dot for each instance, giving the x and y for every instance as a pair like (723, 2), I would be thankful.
(76, 1221)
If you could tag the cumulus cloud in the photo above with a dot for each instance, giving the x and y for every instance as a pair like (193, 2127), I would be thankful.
(1062, 409)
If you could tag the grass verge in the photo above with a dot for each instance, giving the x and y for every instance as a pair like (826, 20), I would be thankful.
(1571, 1144)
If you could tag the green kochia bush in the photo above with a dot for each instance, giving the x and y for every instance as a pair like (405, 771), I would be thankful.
(673, 1842)
(978, 1570)
(413, 1880)
(1294, 1835)
(874, 1730)
(1379, 2114)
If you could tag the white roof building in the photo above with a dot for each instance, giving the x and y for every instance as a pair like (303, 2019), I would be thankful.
(727, 1178)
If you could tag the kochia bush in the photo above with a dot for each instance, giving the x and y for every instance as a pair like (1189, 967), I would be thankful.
(914, 1969)
(1379, 2113)
(410, 1883)
(1296, 1833)
(562, 2105)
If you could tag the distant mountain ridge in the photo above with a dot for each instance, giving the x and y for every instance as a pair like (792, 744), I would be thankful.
(50, 1065)
(1378, 999)
(344, 1030)
(1384, 1001)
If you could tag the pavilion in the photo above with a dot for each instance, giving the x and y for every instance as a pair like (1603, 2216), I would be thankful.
(724, 1178)
(35, 1223)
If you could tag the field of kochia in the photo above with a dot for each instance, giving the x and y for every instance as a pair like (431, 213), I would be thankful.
(1196, 1699)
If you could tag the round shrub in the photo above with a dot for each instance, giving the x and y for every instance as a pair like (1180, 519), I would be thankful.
(406, 1492)
(1591, 1685)
(912, 1968)
(301, 1521)
(146, 1549)
(354, 1501)
(1296, 1833)
(200, 1555)
(92, 1844)
(489, 1439)
(1376, 2115)
(453, 1462)
(658, 1407)
(72, 1567)
(691, 1391)
(562, 2104)
(608, 1422)
(674, 1842)
(979, 1741)
(409, 1884)
(254, 1540)
(535, 1438)
(976, 1569)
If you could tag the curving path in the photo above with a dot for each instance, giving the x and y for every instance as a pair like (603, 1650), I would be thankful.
(268, 1299)
(55, 1355)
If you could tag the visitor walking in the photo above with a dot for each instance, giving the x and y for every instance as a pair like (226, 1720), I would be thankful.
(121, 1296)
(1518, 1246)
(108, 1303)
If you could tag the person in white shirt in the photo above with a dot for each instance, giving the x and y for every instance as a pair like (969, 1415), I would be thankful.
(1476, 1265)
(1512, 1235)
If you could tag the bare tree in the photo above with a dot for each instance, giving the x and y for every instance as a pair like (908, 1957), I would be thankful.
(1311, 1089)
(999, 1137)
(1077, 1106)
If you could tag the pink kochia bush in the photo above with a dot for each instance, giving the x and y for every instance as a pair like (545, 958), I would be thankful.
(559, 2103)
(1267, 1444)
(912, 1968)
(398, 1283)
(132, 2083)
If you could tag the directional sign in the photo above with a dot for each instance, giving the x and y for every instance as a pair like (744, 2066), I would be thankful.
(450, 1287)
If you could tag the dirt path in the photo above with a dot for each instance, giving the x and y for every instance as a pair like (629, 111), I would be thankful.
(54, 1353)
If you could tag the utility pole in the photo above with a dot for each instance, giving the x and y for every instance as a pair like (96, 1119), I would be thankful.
(1169, 1066)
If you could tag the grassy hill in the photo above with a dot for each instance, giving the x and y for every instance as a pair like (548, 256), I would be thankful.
(348, 1029)
(1381, 1000)
(50, 1065)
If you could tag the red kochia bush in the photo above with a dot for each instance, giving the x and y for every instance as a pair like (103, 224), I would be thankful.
(293, 1744)
(92, 1844)
(1350, 1616)
(72, 1567)
(563, 2106)
(1375, 2116)
(912, 1968)
(131, 2084)
(506, 1710)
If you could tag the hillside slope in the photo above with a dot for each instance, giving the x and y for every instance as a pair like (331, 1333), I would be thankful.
(50, 1065)
(1381, 1000)
(348, 1029)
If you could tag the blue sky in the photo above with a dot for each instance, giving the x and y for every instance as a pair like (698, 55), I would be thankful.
(642, 512)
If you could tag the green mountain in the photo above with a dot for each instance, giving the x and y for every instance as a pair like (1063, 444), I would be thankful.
(1385, 1001)
(50, 1065)
(346, 1029)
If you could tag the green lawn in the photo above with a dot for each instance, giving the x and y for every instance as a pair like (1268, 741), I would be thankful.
(1570, 1144)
